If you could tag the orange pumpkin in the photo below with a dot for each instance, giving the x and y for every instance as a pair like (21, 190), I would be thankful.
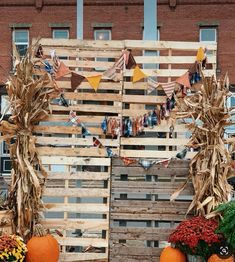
(170, 254)
(215, 258)
(42, 247)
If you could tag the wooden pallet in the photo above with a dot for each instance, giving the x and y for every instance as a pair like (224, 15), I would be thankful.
(142, 217)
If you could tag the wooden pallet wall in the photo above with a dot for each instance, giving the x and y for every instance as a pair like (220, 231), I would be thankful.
(78, 189)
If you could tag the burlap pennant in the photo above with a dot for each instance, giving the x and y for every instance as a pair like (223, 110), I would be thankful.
(138, 74)
(151, 85)
(62, 71)
(200, 54)
(168, 88)
(128, 161)
(131, 61)
(94, 81)
(184, 80)
(76, 80)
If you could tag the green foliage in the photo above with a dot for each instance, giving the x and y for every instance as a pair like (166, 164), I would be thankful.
(227, 224)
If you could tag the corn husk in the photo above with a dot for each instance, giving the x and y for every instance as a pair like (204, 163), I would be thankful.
(210, 167)
(29, 92)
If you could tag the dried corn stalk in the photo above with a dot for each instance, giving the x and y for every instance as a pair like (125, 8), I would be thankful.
(210, 167)
(29, 93)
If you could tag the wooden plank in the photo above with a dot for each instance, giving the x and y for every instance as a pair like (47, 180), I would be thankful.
(129, 44)
(153, 141)
(65, 130)
(65, 151)
(92, 96)
(70, 224)
(147, 217)
(153, 153)
(78, 175)
(119, 249)
(76, 192)
(88, 108)
(142, 99)
(114, 86)
(77, 241)
(70, 141)
(73, 257)
(75, 161)
(79, 208)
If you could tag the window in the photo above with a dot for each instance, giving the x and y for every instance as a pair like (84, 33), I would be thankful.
(5, 165)
(102, 34)
(21, 40)
(60, 33)
(208, 34)
(5, 104)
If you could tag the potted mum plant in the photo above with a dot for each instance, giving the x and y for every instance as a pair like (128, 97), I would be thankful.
(196, 237)
(12, 248)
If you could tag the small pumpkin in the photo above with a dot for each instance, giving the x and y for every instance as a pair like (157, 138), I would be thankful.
(42, 247)
(170, 254)
(216, 258)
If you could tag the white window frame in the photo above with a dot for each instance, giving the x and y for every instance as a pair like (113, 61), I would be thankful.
(103, 30)
(59, 29)
(21, 43)
(210, 28)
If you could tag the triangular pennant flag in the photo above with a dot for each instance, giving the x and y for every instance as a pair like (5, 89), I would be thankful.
(76, 80)
(200, 54)
(96, 142)
(138, 74)
(110, 152)
(128, 161)
(182, 154)
(63, 101)
(168, 88)
(226, 81)
(73, 118)
(39, 52)
(113, 73)
(146, 164)
(151, 85)
(126, 55)
(62, 71)
(94, 81)
(85, 132)
(184, 80)
(131, 61)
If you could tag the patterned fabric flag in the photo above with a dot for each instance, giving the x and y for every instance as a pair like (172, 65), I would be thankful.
(138, 74)
(39, 52)
(164, 162)
(151, 85)
(61, 71)
(63, 101)
(73, 118)
(128, 161)
(184, 80)
(110, 152)
(115, 72)
(97, 143)
(200, 54)
(76, 80)
(131, 61)
(94, 81)
(85, 132)
(146, 164)
(168, 88)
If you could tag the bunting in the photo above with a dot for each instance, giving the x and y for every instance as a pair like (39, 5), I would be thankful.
(94, 81)
(151, 85)
(138, 74)
(73, 118)
(59, 68)
(128, 161)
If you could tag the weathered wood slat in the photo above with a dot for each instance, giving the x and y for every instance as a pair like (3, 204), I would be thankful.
(93, 96)
(72, 241)
(76, 192)
(153, 141)
(72, 257)
(143, 99)
(83, 224)
(78, 175)
(79, 208)
(152, 153)
(147, 217)
(65, 151)
(74, 161)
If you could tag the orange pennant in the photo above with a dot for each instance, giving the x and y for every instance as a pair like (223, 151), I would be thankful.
(94, 81)
(62, 71)
(184, 80)
(138, 74)
(200, 54)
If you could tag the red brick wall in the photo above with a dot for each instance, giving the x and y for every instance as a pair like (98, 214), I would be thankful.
(179, 24)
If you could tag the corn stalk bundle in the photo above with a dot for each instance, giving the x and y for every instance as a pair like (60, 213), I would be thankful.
(29, 93)
(210, 167)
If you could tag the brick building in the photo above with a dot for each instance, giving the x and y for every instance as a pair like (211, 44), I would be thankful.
(179, 20)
